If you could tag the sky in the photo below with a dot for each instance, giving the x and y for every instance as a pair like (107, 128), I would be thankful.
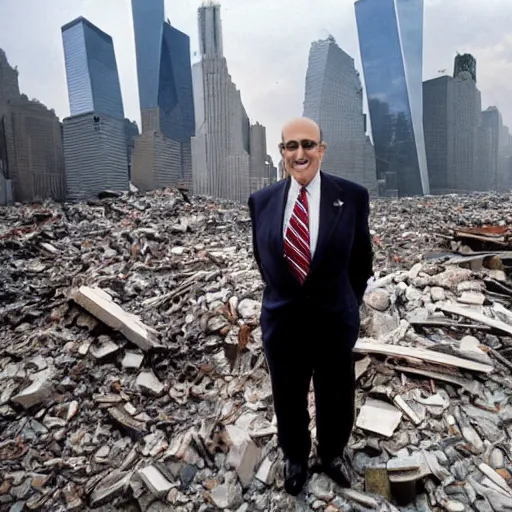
(266, 44)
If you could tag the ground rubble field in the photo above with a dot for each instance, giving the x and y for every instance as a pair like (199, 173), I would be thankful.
(132, 375)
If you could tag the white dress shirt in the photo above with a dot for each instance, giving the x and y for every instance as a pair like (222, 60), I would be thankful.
(313, 195)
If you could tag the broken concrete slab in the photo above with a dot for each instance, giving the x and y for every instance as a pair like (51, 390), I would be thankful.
(149, 383)
(155, 481)
(243, 454)
(100, 304)
(379, 417)
(39, 391)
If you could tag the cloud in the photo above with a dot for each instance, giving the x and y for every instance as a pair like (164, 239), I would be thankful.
(266, 44)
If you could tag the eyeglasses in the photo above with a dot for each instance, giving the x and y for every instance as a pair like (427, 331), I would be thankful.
(293, 145)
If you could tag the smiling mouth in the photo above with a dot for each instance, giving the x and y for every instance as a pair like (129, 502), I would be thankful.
(301, 164)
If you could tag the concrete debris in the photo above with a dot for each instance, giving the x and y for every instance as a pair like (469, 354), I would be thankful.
(132, 375)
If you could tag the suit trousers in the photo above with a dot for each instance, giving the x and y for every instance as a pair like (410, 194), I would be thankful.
(303, 344)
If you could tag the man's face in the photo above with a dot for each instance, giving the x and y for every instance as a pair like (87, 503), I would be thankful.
(302, 151)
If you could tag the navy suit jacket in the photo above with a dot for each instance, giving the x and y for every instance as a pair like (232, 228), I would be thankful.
(342, 263)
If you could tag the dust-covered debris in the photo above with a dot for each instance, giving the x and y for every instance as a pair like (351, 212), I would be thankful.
(132, 375)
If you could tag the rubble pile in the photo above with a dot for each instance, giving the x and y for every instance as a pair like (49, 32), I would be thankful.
(132, 375)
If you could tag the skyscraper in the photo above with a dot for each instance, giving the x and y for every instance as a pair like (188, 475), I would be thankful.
(95, 150)
(452, 122)
(391, 46)
(334, 99)
(221, 148)
(261, 168)
(9, 90)
(162, 153)
(466, 63)
(31, 158)
(498, 149)
(91, 70)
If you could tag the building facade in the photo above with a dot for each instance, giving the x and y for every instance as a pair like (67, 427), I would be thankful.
(262, 171)
(166, 98)
(221, 147)
(334, 99)
(452, 125)
(36, 161)
(95, 155)
(31, 155)
(497, 148)
(391, 45)
(91, 70)
(9, 90)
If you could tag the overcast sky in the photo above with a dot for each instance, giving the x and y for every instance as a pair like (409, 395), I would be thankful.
(266, 43)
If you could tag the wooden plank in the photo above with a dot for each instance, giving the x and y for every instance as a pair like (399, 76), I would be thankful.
(99, 304)
(420, 354)
(477, 317)
(458, 381)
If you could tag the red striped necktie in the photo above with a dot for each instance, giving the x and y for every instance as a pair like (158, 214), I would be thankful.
(296, 239)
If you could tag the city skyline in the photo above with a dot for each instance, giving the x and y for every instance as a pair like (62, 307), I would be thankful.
(275, 94)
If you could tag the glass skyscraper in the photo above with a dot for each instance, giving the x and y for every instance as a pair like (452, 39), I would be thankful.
(391, 45)
(91, 70)
(164, 72)
(162, 154)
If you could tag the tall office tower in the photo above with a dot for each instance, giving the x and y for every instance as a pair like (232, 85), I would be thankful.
(37, 162)
(334, 99)
(504, 175)
(465, 63)
(261, 168)
(95, 150)
(391, 46)
(162, 154)
(221, 148)
(452, 125)
(31, 159)
(9, 90)
(91, 70)
(9, 87)
(498, 150)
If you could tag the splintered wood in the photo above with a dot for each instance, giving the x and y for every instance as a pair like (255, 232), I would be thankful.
(420, 354)
(99, 304)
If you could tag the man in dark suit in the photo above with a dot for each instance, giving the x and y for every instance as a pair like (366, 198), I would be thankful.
(312, 245)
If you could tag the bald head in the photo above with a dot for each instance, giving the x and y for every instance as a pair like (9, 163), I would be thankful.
(302, 149)
(301, 124)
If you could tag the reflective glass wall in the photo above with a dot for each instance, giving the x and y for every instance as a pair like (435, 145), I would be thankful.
(91, 70)
(148, 23)
(396, 121)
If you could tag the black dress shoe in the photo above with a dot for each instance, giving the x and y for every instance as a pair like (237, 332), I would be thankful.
(337, 471)
(295, 476)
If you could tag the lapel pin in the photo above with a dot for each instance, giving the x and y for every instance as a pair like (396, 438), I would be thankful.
(338, 203)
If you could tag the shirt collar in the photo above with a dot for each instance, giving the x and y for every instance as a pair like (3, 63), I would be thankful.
(312, 187)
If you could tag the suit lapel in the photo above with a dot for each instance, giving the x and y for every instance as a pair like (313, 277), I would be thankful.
(331, 212)
(276, 223)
